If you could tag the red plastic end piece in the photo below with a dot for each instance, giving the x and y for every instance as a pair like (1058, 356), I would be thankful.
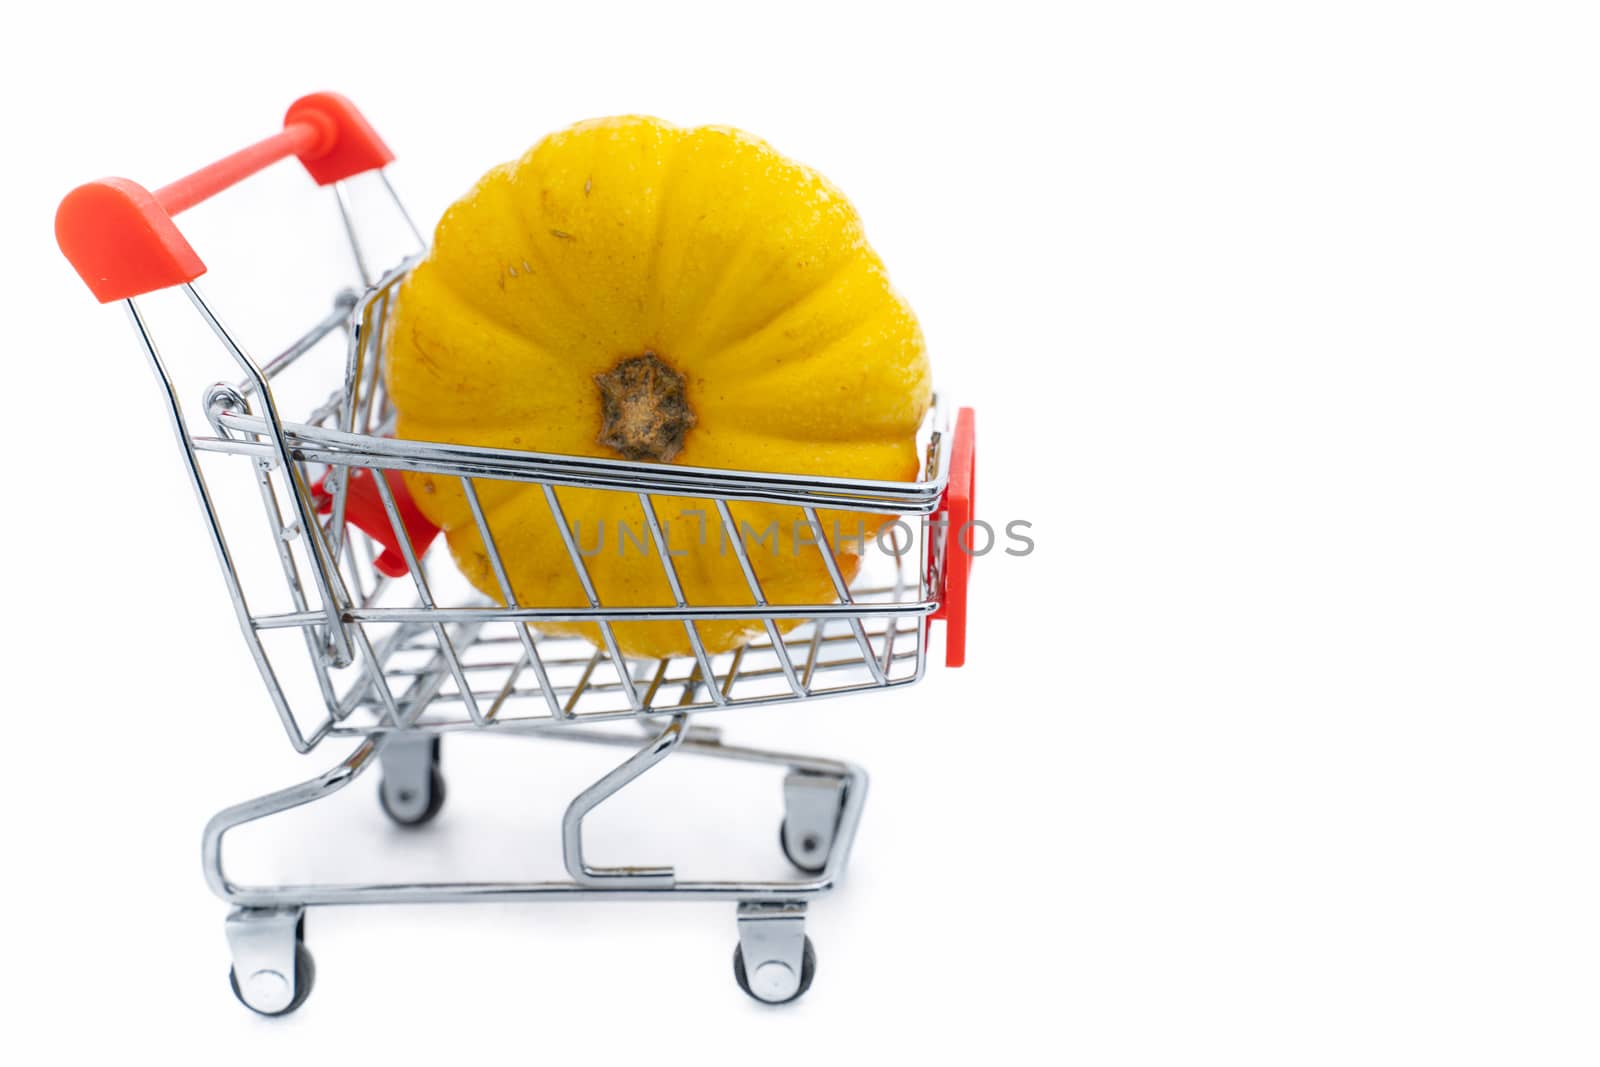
(348, 144)
(363, 508)
(121, 241)
(958, 503)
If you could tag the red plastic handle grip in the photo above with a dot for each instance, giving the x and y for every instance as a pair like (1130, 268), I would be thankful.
(121, 239)
(959, 495)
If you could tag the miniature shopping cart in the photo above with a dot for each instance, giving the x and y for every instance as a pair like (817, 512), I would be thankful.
(359, 632)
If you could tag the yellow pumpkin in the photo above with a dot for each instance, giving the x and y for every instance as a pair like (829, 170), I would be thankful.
(631, 289)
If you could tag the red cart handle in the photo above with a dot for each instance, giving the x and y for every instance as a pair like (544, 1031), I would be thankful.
(958, 500)
(121, 238)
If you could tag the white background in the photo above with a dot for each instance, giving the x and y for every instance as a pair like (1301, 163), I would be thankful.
(1281, 325)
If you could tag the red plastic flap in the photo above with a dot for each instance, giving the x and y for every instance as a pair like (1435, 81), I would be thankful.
(349, 144)
(959, 495)
(121, 241)
(363, 508)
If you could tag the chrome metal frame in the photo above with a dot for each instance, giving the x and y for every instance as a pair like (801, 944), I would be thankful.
(393, 665)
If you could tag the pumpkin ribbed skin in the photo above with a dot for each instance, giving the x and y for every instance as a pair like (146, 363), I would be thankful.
(743, 272)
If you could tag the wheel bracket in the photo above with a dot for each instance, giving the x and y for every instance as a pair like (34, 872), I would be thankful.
(812, 804)
(772, 940)
(408, 761)
(262, 942)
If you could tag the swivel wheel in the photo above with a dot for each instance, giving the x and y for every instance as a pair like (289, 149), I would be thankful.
(411, 791)
(272, 972)
(812, 806)
(774, 961)
(268, 987)
(774, 981)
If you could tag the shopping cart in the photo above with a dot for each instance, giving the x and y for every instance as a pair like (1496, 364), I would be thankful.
(393, 650)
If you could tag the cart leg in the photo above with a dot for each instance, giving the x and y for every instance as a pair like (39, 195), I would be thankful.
(272, 969)
(608, 785)
(412, 788)
(812, 805)
(774, 961)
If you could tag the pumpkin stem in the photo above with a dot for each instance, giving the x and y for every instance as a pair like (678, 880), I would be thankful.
(644, 408)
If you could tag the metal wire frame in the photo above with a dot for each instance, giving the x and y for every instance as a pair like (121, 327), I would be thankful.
(665, 679)
(393, 662)
(657, 883)
(884, 624)
(343, 607)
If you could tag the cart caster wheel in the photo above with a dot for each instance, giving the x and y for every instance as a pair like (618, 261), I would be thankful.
(268, 985)
(812, 858)
(774, 974)
(774, 961)
(812, 807)
(411, 791)
(404, 807)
